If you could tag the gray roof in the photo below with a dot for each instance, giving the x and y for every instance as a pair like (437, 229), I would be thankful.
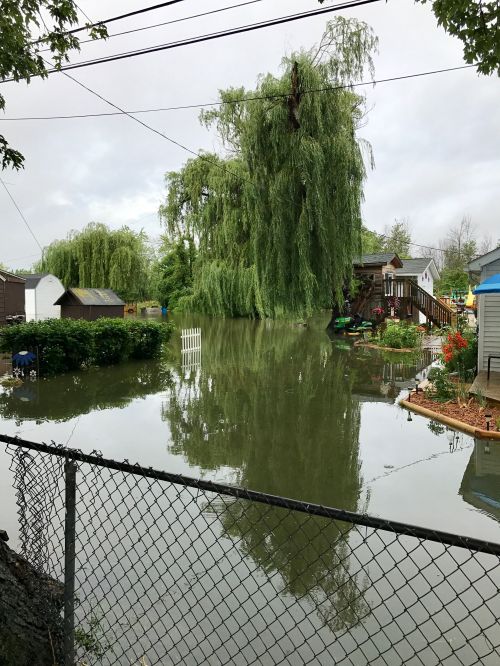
(378, 259)
(91, 296)
(414, 266)
(33, 279)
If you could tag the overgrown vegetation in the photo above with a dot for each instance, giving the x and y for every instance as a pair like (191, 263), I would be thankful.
(68, 344)
(101, 258)
(277, 223)
(460, 353)
(399, 335)
(172, 275)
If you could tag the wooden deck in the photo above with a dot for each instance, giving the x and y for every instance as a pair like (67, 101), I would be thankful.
(488, 389)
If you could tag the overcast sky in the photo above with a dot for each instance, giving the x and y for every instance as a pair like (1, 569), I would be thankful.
(436, 139)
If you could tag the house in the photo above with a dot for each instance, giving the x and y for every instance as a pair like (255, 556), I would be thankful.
(42, 291)
(11, 296)
(488, 319)
(90, 304)
(375, 272)
(480, 485)
(423, 272)
(407, 294)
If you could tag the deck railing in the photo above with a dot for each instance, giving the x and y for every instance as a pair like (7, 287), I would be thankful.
(435, 310)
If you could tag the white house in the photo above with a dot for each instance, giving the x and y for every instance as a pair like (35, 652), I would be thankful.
(42, 291)
(424, 272)
(488, 312)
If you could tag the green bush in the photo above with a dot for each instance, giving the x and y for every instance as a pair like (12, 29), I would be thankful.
(444, 388)
(400, 336)
(62, 345)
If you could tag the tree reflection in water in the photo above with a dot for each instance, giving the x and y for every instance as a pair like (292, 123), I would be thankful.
(281, 407)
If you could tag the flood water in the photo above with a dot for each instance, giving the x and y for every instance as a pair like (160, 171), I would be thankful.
(272, 407)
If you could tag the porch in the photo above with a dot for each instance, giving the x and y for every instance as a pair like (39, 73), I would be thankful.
(488, 388)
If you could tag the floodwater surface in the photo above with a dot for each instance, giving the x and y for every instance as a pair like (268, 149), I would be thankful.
(278, 408)
(189, 577)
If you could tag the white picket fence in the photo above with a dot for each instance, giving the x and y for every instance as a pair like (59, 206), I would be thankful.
(191, 348)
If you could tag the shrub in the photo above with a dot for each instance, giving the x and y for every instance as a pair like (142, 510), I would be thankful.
(400, 336)
(68, 344)
(444, 388)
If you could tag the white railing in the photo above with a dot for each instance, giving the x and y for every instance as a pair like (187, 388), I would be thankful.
(191, 348)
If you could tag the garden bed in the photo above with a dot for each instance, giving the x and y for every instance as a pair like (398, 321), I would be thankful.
(467, 416)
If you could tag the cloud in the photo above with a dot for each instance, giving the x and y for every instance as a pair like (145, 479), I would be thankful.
(436, 140)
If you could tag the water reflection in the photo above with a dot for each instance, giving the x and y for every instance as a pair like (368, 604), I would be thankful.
(480, 485)
(73, 394)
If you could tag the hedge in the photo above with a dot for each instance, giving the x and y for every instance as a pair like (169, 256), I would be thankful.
(68, 344)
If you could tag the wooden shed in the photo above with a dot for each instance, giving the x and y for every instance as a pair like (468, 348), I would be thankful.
(90, 304)
(11, 296)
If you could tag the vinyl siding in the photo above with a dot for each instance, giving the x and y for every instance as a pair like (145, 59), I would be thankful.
(489, 322)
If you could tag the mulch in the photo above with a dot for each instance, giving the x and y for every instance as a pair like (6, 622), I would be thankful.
(470, 412)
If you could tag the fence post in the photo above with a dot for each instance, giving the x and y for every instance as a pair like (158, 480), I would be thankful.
(69, 562)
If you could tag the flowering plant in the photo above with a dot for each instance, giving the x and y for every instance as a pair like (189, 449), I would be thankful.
(378, 311)
(394, 303)
(459, 353)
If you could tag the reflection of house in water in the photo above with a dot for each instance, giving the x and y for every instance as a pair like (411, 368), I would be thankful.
(382, 380)
(481, 483)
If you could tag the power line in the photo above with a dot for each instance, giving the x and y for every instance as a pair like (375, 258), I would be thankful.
(21, 214)
(208, 37)
(122, 16)
(244, 99)
(159, 25)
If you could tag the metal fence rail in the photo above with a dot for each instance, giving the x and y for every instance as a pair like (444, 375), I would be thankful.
(173, 570)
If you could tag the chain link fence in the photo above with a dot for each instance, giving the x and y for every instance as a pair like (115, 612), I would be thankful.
(173, 570)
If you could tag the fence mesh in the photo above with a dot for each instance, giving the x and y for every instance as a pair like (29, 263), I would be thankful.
(172, 570)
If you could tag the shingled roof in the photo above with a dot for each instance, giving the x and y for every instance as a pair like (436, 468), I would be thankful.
(378, 259)
(90, 297)
(32, 279)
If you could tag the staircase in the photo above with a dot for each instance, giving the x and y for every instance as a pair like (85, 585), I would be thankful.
(436, 312)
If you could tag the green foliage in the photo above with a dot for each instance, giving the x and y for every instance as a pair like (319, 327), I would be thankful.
(278, 222)
(443, 388)
(436, 428)
(477, 25)
(62, 345)
(172, 275)
(397, 238)
(101, 258)
(400, 335)
(460, 353)
(452, 280)
(371, 241)
(23, 33)
(92, 639)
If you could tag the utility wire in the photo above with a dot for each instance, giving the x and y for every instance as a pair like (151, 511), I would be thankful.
(122, 16)
(208, 37)
(159, 25)
(244, 99)
(21, 214)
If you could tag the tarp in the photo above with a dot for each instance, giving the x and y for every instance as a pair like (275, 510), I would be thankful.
(489, 286)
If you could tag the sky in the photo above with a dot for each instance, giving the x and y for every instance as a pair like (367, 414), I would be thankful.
(435, 139)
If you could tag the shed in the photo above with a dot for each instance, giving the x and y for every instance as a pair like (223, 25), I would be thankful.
(488, 314)
(90, 304)
(11, 296)
(376, 273)
(42, 291)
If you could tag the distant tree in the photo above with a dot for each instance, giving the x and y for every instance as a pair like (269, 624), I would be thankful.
(102, 258)
(371, 241)
(397, 238)
(172, 275)
(23, 34)
(460, 246)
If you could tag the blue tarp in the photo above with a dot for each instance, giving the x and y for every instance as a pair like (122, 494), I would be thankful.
(489, 286)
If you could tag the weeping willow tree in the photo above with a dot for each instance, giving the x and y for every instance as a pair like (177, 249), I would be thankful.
(102, 258)
(278, 218)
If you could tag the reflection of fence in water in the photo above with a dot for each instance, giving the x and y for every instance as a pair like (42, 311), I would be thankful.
(186, 571)
(190, 349)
